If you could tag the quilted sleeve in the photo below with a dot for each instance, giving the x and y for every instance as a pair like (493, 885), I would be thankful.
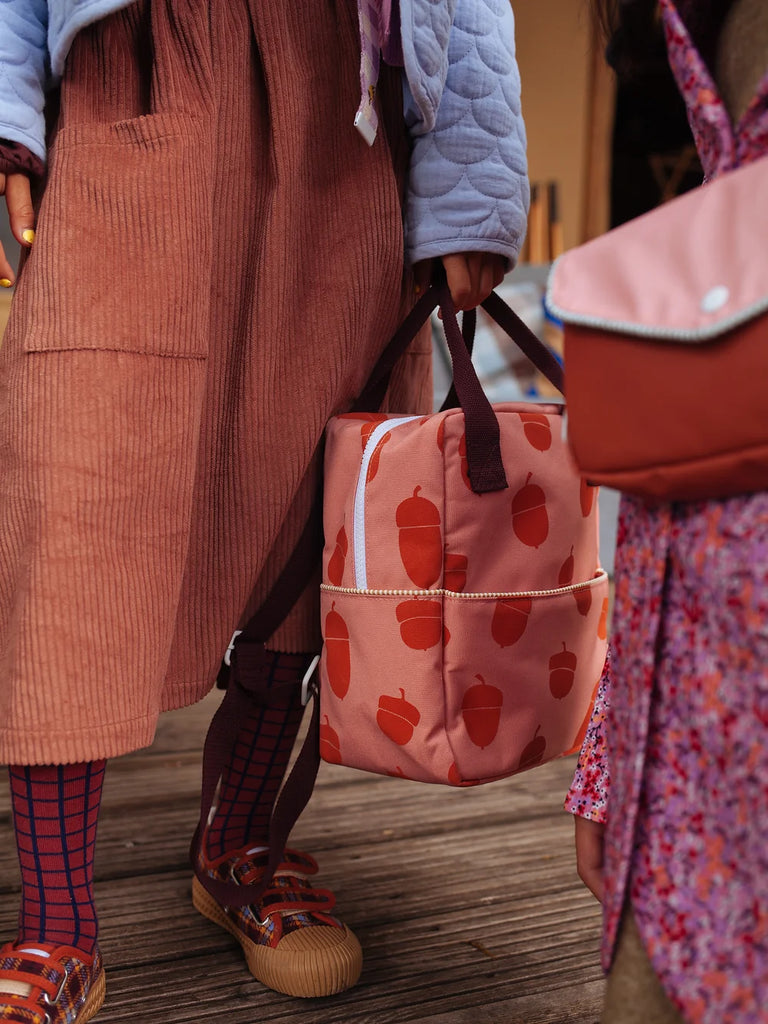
(468, 183)
(588, 795)
(23, 50)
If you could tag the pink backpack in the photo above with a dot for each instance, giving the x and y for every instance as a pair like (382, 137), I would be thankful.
(463, 604)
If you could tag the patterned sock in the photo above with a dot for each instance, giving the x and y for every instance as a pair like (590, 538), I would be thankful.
(250, 783)
(55, 813)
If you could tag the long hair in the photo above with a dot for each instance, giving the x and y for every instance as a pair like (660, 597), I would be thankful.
(634, 37)
(634, 43)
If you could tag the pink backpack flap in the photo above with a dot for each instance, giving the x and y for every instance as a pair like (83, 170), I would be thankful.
(464, 623)
(665, 321)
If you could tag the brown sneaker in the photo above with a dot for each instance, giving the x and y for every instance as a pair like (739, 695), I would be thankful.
(291, 941)
(41, 983)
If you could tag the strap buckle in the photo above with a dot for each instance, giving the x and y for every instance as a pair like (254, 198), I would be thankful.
(308, 687)
(228, 653)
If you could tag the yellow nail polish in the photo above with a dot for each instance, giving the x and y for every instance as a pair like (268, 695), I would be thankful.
(28, 236)
(5, 283)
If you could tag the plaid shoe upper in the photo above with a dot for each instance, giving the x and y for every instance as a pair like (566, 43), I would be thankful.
(289, 902)
(59, 984)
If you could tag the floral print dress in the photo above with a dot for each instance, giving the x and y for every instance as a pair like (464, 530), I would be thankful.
(680, 731)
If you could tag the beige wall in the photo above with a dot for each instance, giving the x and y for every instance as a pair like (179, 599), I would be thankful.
(555, 56)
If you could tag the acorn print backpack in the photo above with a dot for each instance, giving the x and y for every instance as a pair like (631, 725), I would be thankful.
(463, 603)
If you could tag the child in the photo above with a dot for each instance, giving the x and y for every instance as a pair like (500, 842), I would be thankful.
(217, 261)
(674, 841)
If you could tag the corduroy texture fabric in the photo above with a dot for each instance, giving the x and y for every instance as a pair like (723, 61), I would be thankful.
(218, 263)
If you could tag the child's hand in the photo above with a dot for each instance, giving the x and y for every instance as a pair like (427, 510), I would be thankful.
(21, 215)
(472, 276)
(589, 854)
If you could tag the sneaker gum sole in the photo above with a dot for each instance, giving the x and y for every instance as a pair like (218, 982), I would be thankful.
(94, 1000)
(310, 962)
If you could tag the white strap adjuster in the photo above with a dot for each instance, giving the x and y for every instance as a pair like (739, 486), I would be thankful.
(308, 688)
(228, 652)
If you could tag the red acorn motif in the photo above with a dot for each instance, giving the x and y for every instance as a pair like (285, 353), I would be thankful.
(481, 708)
(421, 540)
(533, 753)
(587, 497)
(583, 596)
(363, 417)
(337, 657)
(454, 779)
(330, 748)
(537, 430)
(441, 435)
(602, 626)
(338, 558)
(581, 734)
(372, 421)
(373, 465)
(421, 623)
(510, 617)
(455, 572)
(397, 718)
(529, 514)
(565, 578)
(464, 461)
(562, 668)
(583, 599)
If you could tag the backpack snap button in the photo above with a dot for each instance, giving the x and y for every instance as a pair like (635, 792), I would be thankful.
(715, 299)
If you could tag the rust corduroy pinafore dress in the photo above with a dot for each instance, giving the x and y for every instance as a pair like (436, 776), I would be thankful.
(218, 263)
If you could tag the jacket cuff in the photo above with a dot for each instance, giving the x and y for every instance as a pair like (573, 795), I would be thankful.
(15, 158)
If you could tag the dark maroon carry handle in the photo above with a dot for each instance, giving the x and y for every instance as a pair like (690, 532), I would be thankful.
(526, 340)
(483, 436)
(485, 468)
(486, 472)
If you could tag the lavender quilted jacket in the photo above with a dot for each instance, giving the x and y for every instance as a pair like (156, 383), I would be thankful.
(468, 183)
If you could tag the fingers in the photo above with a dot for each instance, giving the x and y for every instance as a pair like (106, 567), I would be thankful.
(589, 854)
(458, 271)
(472, 276)
(6, 272)
(21, 216)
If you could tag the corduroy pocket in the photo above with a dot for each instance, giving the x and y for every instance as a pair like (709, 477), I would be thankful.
(122, 256)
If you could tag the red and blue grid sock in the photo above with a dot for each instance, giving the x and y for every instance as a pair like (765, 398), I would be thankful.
(250, 783)
(55, 814)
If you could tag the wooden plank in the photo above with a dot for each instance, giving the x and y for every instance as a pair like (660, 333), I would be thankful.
(447, 966)
(465, 901)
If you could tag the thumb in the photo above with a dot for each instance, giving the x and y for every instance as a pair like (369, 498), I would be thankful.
(21, 213)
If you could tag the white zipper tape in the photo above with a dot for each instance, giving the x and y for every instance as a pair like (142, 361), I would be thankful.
(358, 525)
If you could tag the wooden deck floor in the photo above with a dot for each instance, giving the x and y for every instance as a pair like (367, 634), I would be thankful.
(466, 902)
